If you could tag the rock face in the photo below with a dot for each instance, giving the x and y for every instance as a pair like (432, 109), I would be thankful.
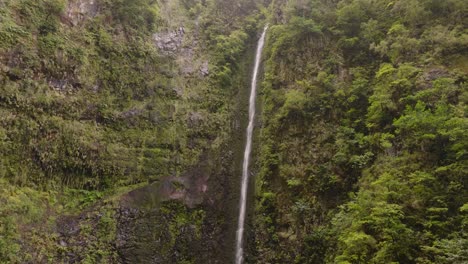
(79, 10)
(174, 220)
(169, 42)
(204, 69)
(183, 47)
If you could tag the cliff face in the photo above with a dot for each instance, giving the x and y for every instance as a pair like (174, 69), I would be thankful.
(117, 129)
(122, 131)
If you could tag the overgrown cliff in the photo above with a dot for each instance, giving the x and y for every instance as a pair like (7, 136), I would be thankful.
(363, 144)
(119, 124)
(122, 131)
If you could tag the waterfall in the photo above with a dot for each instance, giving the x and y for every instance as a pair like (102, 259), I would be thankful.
(248, 148)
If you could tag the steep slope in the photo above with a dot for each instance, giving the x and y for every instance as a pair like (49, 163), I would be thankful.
(363, 144)
(115, 117)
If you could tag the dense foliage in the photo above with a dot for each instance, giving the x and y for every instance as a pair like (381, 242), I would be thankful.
(364, 138)
(362, 146)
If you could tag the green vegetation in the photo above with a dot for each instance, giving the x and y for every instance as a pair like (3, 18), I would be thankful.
(92, 107)
(109, 109)
(364, 134)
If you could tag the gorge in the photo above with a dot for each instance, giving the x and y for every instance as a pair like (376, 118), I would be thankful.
(127, 131)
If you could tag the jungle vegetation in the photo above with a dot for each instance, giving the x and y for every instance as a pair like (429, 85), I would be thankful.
(362, 140)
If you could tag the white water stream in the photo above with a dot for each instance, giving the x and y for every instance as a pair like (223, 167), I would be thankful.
(248, 149)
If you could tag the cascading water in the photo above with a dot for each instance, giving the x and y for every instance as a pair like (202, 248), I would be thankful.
(248, 148)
